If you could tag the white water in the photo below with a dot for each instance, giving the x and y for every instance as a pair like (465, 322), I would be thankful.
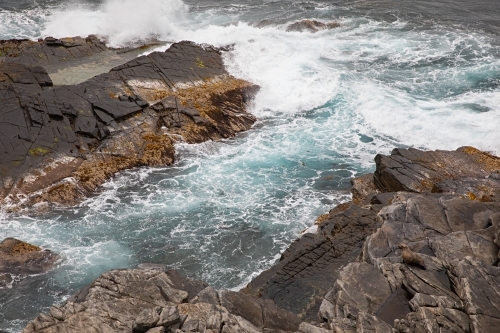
(328, 103)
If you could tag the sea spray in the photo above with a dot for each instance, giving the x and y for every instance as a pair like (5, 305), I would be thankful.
(121, 23)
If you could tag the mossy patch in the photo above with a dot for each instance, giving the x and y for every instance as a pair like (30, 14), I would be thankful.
(200, 63)
(39, 151)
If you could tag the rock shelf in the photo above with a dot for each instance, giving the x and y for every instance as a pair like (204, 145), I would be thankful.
(59, 143)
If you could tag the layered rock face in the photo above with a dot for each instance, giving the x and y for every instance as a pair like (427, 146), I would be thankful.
(444, 206)
(58, 143)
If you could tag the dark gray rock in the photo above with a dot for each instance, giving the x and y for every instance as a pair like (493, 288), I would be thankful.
(311, 26)
(57, 144)
(437, 171)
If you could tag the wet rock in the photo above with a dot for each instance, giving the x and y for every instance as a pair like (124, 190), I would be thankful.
(18, 257)
(439, 213)
(311, 26)
(58, 144)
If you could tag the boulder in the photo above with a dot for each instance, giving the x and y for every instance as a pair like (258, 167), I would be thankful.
(18, 257)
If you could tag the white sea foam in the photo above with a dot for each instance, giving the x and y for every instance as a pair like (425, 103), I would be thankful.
(328, 103)
(119, 21)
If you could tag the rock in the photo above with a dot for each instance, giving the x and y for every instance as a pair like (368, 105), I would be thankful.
(367, 323)
(147, 319)
(50, 50)
(310, 266)
(59, 143)
(308, 328)
(261, 313)
(207, 295)
(360, 288)
(361, 187)
(437, 171)
(157, 330)
(446, 212)
(311, 26)
(18, 257)
(137, 300)
(168, 316)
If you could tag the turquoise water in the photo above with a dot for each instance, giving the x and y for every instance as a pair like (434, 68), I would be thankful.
(391, 76)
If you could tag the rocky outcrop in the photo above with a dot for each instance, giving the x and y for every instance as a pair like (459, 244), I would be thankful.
(59, 143)
(49, 50)
(151, 299)
(466, 172)
(21, 258)
(312, 26)
(441, 204)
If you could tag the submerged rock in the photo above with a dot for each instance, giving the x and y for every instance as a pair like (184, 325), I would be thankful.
(312, 26)
(21, 258)
(58, 143)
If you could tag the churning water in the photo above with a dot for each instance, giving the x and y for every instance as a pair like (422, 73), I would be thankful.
(422, 74)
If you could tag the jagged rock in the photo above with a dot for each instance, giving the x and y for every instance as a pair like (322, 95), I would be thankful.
(208, 295)
(308, 328)
(57, 144)
(439, 171)
(50, 50)
(452, 294)
(18, 257)
(310, 266)
(367, 323)
(147, 319)
(360, 288)
(311, 26)
(137, 300)
(362, 187)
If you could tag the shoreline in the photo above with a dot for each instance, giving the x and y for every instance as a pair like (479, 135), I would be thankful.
(126, 118)
(349, 276)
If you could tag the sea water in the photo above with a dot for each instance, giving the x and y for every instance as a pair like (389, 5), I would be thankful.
(421, 74)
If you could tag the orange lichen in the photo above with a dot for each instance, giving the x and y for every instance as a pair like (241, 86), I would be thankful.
(23, 247)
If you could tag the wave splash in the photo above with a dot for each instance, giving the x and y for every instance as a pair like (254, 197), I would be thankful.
(121, 22)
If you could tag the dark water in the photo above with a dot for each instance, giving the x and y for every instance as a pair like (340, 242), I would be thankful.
(395, 74)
